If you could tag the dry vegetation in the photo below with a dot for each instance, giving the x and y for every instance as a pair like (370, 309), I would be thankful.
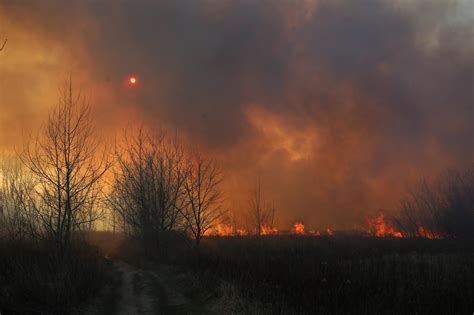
(37, 278)
(50, 197)
(341, 275)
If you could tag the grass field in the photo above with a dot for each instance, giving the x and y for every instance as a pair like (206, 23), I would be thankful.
(275, 274)
(342, 275)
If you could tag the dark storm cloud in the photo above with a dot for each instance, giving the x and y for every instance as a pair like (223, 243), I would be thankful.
(385, 86)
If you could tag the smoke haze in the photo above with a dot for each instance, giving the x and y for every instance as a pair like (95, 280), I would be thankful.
(337, 105)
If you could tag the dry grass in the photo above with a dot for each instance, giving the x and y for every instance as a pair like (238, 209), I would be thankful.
(330, 275)
(35, 278)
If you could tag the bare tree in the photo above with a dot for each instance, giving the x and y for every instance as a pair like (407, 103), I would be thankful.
(204, 198)
(67, 167)
(148, 191)
(419, 211)
(442, 208)
(4, 43)
(261, 213)
(272, 211)
(17, 201)
(457, 203)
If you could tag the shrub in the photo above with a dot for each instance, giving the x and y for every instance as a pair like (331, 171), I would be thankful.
(443, 208)
(37, 278)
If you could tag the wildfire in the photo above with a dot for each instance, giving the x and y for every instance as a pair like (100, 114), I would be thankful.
(379, 227)
(220, 230)
(268, 230)
(423, 232)
(241, 232)
(298, 228)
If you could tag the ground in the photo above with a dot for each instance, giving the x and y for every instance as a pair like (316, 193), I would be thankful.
(290, 274)
(157, 289)
(134, 298)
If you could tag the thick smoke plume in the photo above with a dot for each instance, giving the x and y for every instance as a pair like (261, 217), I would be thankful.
(336, 105)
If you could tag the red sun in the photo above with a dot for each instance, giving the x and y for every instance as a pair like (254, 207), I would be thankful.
(132, 80)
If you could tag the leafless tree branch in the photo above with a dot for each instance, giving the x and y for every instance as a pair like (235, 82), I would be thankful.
(64, 161)
(148, 196)
(204, 206)
(4, 43)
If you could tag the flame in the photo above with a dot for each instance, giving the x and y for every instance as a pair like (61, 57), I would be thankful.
(268, 230)
(220, 230)
(379, 227)
(425, 233)
(298, 228)
(241, 232)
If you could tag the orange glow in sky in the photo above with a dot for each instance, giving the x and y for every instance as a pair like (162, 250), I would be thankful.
(132, 80)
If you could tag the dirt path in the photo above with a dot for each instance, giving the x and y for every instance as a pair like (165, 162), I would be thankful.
(135, 298)
(161, 289)
(177, 293)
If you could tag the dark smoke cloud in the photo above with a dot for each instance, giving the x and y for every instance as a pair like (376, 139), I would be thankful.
(336, 104)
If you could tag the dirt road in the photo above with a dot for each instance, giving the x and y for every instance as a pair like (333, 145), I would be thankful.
(161, 289)
(135, 297)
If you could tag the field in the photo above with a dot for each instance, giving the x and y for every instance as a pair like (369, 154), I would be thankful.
(342, 275)
(272, 274)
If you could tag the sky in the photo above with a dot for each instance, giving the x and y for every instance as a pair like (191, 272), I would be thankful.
(338, 107)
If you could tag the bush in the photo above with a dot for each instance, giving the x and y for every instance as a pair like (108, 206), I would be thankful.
(35, 278)
(441, 209)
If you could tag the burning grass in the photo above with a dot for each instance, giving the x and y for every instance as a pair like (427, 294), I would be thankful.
(377, 226)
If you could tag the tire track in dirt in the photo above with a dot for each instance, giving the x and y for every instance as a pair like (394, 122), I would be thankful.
(134, 293)
(163, 289)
